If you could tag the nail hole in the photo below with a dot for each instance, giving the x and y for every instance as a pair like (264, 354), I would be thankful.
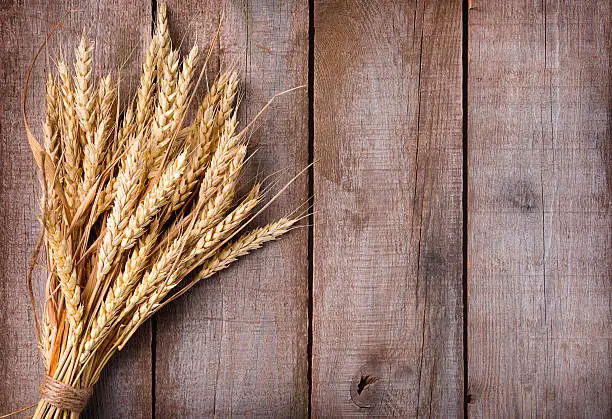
(366, 381)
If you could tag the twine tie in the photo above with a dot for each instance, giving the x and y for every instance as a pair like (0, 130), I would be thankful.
(63, 396)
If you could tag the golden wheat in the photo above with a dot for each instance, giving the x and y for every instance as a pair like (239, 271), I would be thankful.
(83, 90)
(142, 204)
(71, 147)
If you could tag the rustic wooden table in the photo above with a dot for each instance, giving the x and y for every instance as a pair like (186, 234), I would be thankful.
(460, 261)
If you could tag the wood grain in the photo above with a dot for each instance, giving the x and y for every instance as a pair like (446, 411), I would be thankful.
(539, 210)
(24, 27)
(387, 236)
(387, 264)
(236, 345)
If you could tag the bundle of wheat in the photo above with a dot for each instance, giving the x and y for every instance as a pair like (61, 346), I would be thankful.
(137, 207)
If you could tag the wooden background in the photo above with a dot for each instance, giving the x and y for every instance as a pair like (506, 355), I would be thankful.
(461, 248)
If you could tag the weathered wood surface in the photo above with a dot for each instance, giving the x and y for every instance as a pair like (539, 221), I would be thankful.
(237, 344)
(124, 390)
(387, 291)
(539, 210)
(387, 240)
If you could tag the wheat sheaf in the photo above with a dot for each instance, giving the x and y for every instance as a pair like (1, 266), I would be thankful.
(138, 205)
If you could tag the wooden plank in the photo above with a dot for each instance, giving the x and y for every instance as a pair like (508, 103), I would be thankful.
(387, 243)
(539, 210)
(236, 345)
(24, 27)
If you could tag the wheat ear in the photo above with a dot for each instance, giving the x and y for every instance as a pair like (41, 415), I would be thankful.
(200, 142)
(129, 184)
(215, 234)
(163, 35)
(169, 270)
(71, 148)
(226, 110)
(51, 122)
(60, 252)
(120, 291)
(144, 96)
(106, 197)
(83, 90)
(243, 245)
(163, 120)
(48, 334)
(230, 252)
(222, 195)
(183, 87)
(221, 160)
(95, 149)
(153, 201)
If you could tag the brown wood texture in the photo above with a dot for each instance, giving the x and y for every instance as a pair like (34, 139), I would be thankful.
(237, 344)
(539, 210)
(387, 289)
(387, 270)
(124, 390)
